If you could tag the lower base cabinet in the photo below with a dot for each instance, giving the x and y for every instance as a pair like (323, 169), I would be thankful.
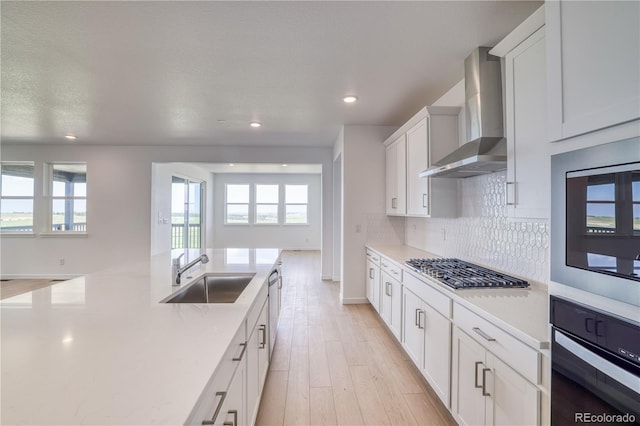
(373, 285)
(391, 303)
(257, 363)
(485, 391)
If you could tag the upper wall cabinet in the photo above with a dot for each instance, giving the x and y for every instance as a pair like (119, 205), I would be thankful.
(524, 62)
(429, 135)
(396, 174)
(593, 64)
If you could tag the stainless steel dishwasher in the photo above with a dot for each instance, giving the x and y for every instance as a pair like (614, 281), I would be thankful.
(275, 289)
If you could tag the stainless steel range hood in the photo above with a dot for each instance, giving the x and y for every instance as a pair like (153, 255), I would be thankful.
(486, 151)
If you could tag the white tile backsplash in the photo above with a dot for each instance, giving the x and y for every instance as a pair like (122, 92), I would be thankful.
(383, 229)
(483, 234)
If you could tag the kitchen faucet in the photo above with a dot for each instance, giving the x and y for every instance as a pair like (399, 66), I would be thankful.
(177, 270)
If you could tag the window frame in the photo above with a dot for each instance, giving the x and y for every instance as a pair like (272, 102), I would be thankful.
(277, 205)
(227, 203)
(285, 204)
(19, 197)
(49, 173)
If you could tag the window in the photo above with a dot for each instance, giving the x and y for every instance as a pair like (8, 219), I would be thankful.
(296, 202)
(267, 197)
(237, 204)
(601, 204)
(16, 197)
(68, 190)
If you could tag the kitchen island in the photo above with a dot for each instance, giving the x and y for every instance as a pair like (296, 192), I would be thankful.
(102, 349)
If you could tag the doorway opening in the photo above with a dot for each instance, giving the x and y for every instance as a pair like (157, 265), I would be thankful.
(187, 213)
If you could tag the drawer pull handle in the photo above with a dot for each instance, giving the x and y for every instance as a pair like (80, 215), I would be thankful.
(384, 265)
(222, 396)
(484, 382)
(394, 272)
(484, 335)
(244, 348)
(475, 379)
(371, 273)
(424, 201)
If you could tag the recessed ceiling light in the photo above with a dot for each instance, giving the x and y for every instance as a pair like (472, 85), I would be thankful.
(71, 137)
(284, 165)
(349, 99)
(255, 124)
(231, 164)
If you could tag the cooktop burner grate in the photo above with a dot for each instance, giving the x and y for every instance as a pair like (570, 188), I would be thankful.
(460, 275)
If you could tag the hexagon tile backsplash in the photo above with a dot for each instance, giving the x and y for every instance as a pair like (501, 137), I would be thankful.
(483, 234)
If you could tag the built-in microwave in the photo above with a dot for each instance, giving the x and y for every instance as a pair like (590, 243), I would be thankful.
(595, 220)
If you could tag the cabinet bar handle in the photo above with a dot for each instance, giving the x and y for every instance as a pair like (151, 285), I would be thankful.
(484, 382)
(417, 325)
(475, 379)
(222, 396)
(279, 281)
(385, 265)
(420, 314)
(235, 418)
(424, 201)
(506, 193)
(371, 273)
(244, 348)
(394, 203)
(484, 335)
(389, 289)
(263, 330)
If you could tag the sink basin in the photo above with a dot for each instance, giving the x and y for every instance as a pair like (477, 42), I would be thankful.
(213, 288)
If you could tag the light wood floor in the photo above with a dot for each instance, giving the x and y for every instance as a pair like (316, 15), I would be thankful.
(338, 364)
(10, 288)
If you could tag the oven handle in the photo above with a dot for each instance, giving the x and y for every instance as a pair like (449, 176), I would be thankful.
(620, 375)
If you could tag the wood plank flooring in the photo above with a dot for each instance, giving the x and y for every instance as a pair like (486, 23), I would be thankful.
(338, 364)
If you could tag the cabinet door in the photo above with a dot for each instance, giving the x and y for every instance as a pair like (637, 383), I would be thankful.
(233, 410)
(396, 308)
(528, 165)
(467, 401)
(417, 161)
(593, 56)
(257, 356)
(385, 301)
(396, 175)
(373, 285)
(413, 327)
(513, 400)
(437, 353)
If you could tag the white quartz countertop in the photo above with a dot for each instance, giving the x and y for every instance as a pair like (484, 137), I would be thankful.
(101, 349)
(524, 313)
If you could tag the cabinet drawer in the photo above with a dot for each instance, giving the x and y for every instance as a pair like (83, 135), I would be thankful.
(512, 351)
(373, 257)
(423, 289)
(391, 268)
(215, 391)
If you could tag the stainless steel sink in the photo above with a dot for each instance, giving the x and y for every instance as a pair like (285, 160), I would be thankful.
(213, 288)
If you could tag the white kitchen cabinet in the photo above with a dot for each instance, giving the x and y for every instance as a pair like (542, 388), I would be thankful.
(427, 339)
(523, 54)
(396, 177)
(593, 64)
(391, 302)
(233, 412)
(373, 285)
(430, 135)
(257, 361)
(486, 391)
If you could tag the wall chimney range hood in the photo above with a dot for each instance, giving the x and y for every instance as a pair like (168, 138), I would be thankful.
(486, 151)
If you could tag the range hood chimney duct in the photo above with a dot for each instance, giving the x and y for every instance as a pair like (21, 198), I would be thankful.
(486, 149)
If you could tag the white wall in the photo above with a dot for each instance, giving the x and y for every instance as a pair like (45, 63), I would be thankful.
(292, 237)
(161, 202)
(363, 207)
(119, 203)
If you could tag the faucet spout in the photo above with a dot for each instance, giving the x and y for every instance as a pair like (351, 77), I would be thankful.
(178, 270)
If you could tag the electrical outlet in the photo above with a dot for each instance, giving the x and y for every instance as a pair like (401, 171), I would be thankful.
(358, 229)
(61, 262)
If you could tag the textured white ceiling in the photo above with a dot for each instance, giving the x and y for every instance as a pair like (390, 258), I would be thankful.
(196, 73)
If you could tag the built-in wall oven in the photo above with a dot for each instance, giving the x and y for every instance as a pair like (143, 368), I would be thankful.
(595, 366)
(595, 220)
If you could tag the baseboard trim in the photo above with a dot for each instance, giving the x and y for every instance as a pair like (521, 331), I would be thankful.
(354, 300)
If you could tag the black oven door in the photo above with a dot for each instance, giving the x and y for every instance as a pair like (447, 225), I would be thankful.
(590, 385)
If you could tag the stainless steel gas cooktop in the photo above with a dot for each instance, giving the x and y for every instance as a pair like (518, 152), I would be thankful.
(460, 275)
